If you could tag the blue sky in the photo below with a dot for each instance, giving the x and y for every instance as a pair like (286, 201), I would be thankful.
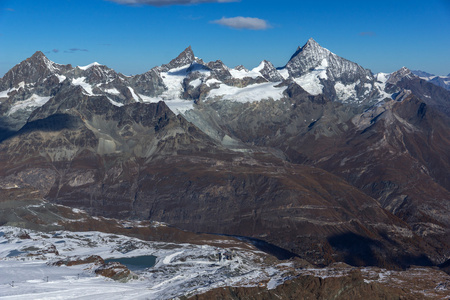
(132, 38)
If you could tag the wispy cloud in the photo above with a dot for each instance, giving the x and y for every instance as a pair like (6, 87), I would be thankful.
(9, 9)
(243, 23)
(367, 33)
(168, 2)
(52, 51)
(73, 50)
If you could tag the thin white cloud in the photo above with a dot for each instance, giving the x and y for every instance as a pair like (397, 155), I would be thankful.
(168, 2)
(243, 23)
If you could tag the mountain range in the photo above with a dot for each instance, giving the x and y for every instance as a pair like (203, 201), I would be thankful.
(442, 81)
(320, 157)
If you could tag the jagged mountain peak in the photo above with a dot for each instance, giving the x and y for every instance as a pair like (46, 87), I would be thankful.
(266, 63)
(38, 54)
(311, 43)
(318, 70)
(306, 58)
(404, 70)
(39, 58)
(268, 71)
(312, 56)
(310, 46)
(184, 58)
(33, 69)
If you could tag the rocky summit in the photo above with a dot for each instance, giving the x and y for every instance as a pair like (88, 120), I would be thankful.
(320, 158)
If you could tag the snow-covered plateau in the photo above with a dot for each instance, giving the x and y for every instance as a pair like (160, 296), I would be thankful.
(29, 271)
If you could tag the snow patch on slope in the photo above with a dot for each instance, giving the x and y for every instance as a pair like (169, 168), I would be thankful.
(81, 81)
(30, 103)
(310, 82)
(195, 83)
(177, 106)
(345, 92)
(115, 103)
(53, 67)
(61, 78)
(135, 97)
(380, 84)
(173, 80)
(4, 94)
(251, 93)
(112, 91)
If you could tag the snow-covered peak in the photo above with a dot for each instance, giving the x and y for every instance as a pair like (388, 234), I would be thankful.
(261, 66)
(241, 72)
(311, 48)
(265, 69)
(311, 56)
(88, 66)
(311, 43)
(306, 58)
(382, 77)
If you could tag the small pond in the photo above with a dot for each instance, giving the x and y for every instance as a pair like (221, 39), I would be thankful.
(135, 263)
(14, 253)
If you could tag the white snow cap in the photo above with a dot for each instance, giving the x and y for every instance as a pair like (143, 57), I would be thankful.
(89, 65)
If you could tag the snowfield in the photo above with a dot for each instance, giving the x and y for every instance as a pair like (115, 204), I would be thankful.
(251, 93)
(81, 81)
(32, 102)
(27, 257)
(310, 82)
(254, 73)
